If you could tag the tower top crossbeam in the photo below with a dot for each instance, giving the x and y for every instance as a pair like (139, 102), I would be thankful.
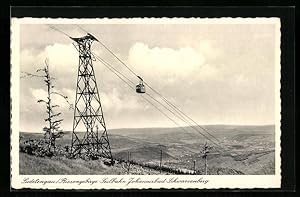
(83, 39)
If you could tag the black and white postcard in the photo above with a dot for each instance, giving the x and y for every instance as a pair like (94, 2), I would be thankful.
(145, 103)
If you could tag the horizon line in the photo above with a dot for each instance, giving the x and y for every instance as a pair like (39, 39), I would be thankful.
(249, 125)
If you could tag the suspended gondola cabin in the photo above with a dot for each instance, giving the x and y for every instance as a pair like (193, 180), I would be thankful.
(140, 88)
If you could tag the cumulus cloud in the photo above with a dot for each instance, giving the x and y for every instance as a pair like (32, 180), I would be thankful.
(62, 59)
(166, 62)
(38, 93)
(115, 102)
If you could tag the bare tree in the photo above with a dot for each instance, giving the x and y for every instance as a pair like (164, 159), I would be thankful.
(52, 130)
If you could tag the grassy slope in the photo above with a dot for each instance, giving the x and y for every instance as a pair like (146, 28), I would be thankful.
(58, 165)
(31, 165)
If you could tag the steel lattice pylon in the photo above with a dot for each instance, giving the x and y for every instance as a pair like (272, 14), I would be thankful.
(88, 120)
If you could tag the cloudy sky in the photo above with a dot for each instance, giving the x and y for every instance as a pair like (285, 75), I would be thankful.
(215, 73)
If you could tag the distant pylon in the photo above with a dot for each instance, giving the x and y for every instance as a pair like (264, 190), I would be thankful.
(205, 151)
(88, 114)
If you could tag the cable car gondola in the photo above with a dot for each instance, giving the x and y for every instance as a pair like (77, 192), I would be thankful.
(140, 88)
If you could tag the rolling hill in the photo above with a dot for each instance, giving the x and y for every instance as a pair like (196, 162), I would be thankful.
(245, 150)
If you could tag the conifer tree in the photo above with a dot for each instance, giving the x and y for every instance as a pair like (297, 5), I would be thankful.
(52, 130)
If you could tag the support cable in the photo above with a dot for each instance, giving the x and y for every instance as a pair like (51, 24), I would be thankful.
(119, 76)
(112, 69)
(181, 113)
(112, 53)
(177, 115)
(169, 103)
(60, 31)
(165, 100)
